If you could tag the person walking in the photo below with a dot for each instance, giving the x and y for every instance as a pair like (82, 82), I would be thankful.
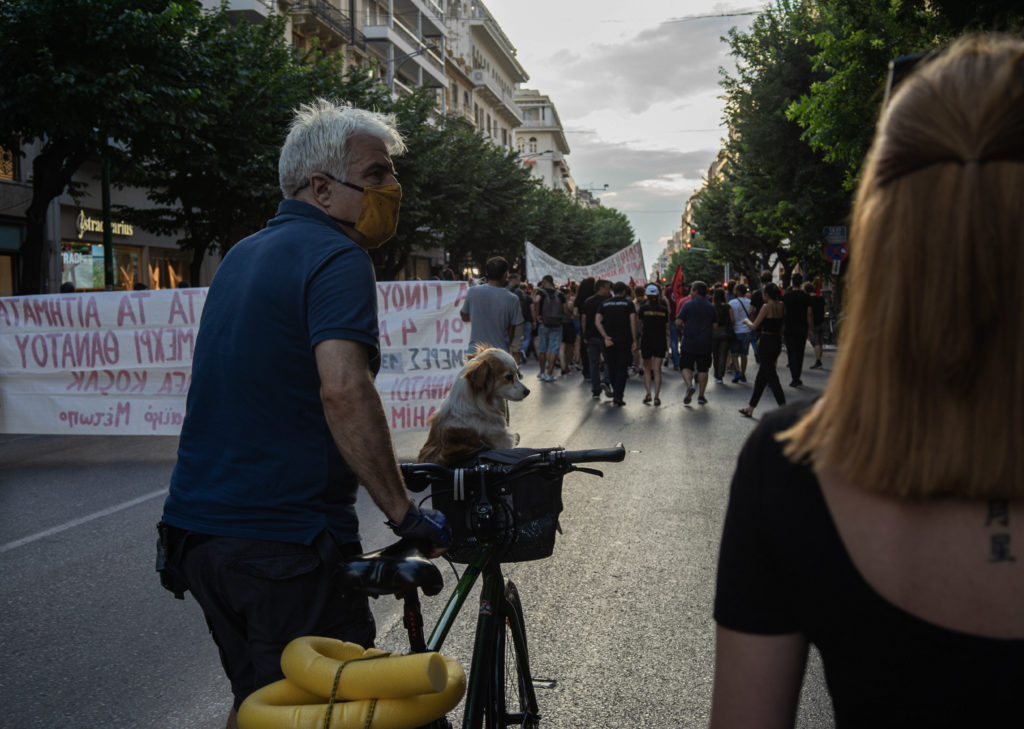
(744, 337)
(817, 335)
(549, 306)
(722, 333)
(695, 320)
(282, 421)
(768, 325)
(492, 311)
(522, 333)
(653, 320)
(796, 327)
(884, 522)
(588, 287)
(616, 322)
(595, 340)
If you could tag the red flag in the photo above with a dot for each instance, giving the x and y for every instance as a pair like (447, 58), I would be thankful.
(677, 284)
(632, 283)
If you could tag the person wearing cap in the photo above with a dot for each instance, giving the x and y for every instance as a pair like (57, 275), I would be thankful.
(653, 316)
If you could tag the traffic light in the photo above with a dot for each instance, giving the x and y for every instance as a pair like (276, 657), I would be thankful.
(688, 246)
(693, 233)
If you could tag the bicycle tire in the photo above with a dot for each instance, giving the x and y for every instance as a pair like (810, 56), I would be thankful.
(514, 700)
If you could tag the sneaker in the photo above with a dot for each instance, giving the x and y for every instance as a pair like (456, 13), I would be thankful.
(796, 383)
(737, 377)
(607, 389)
(718, 381)
(619, 403)
(702, 400)
(817, 365)
(597, 395)
(689, 395)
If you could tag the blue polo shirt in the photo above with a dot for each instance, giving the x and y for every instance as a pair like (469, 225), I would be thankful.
(256, 459)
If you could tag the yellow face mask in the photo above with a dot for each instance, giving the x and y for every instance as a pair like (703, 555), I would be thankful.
(378, 217)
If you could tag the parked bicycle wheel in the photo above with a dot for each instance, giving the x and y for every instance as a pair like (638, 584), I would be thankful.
(514, 700)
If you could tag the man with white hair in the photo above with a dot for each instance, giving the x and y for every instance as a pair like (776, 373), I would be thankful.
(283, 421)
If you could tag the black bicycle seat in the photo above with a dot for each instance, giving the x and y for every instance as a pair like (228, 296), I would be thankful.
(397, 568)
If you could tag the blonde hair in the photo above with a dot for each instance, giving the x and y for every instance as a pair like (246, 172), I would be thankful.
(927, 394)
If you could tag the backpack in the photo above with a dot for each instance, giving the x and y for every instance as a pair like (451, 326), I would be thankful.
(551, 308)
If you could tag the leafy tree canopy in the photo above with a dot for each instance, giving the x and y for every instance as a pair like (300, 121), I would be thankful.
(87, 79)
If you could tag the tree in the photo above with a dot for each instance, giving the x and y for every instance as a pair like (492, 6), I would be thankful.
(218, 183)
(852, 49)
(87, 79)
(779, 193)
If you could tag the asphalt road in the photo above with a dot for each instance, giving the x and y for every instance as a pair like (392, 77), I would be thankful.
(620, 616)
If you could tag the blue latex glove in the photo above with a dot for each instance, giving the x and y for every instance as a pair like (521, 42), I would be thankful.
(423, 524)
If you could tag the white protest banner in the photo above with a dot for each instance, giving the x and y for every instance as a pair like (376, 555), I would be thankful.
(423, 343)
(625, 265)
(121, 362)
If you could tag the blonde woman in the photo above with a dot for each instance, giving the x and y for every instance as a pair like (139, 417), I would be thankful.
(885, 523)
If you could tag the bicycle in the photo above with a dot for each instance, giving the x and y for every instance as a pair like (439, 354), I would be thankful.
(503, 509)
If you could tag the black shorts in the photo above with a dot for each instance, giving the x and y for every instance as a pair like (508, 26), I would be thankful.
(688, 359)
(258, 595)
(568, 332)
(653, 350)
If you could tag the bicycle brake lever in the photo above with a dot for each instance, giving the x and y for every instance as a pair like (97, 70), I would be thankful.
(591, 471)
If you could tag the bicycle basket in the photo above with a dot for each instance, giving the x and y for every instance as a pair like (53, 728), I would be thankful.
(525, 510)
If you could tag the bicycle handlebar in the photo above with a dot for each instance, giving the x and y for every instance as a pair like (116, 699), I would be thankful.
(554, 459)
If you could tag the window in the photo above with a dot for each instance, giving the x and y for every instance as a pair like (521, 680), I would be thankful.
(169, 268)
(520, 145)
(533, 145)
(9, 165)
(82, 265)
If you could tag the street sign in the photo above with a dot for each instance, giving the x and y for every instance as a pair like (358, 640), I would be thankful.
(836, 264)
(835, 251)
(835, 233)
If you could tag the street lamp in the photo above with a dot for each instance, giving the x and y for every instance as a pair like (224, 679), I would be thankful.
(393, 64)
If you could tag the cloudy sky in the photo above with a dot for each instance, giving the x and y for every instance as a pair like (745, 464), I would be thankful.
(636, 87)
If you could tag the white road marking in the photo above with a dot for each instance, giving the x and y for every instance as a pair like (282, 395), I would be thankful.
(81, 520)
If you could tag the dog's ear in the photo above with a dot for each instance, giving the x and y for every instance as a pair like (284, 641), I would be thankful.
(477, 374)
(480, 347)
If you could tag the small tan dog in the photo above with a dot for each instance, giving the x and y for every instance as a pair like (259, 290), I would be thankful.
(475, 413)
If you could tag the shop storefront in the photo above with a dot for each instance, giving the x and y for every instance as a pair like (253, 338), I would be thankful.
(140, 260)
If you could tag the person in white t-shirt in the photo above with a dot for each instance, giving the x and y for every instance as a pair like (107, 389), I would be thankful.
(744, 337)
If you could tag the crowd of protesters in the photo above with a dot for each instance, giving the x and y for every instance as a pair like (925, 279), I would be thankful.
(610, 331)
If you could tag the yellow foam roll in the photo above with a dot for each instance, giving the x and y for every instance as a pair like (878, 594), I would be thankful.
(284, 705)
(312, 663)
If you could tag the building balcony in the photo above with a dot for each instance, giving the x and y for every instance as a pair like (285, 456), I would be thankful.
(320, 19)
(425, 53)
(489, 34)
(491, 93)
(252, 10)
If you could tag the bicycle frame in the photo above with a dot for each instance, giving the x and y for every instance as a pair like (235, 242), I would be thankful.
(491, 617)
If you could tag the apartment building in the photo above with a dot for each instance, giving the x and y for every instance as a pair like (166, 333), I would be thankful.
(484, 72)
(541, 141)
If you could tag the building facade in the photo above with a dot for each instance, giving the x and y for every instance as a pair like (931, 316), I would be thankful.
(541, 141)
(485, 73)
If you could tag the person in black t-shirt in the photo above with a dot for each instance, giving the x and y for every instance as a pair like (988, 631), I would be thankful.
(796, 328)
(817, 335)
(616, 322)
(884, 522)
(653, 316)
(594, 341)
